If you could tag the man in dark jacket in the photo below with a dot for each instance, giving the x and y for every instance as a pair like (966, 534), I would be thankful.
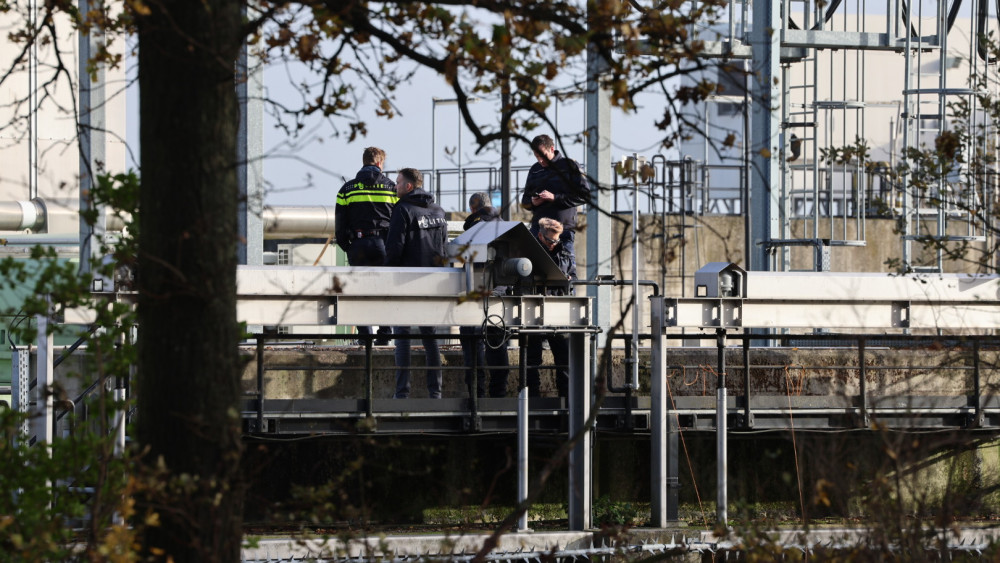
(480, 210)
(555, 187)
(474, 350)
(549, 231)
(361, 218)
(418, 233)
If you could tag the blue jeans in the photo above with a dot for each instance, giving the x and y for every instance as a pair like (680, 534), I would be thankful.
(433, 369)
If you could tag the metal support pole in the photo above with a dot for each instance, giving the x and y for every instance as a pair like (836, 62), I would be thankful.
(720, 425)
(977, 399)
(522, 430)
(474, 339)
(580, 470)
(117, 517)
(44, 376)
(20, 387)
(260, 383)
(250, 155)
(369, 379)
(505, 200)
(766, 92)
(433, 188)
(863, 383)
(658, 416)
(461, 184)
(634, 349)
(599, 251)
(747, 420)
(119, 421)
(92, 135)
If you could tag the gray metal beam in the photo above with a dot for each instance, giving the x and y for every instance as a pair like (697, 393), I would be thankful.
(580, 457)
(92, 138)
(834, 300)
(833, 315)
(824, 39)
(250, 157)
(335, 295)
(659, 422)
(766, 91)
(598, 107)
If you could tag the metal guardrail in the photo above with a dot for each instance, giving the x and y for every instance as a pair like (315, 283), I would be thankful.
(625, 409)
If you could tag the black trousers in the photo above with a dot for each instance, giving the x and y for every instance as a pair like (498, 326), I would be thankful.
(496, 358)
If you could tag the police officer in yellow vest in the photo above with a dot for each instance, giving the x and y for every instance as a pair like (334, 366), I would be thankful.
(361, 218)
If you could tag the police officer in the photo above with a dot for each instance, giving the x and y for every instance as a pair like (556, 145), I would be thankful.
(361, 218)
(418, 233)
(554, 188)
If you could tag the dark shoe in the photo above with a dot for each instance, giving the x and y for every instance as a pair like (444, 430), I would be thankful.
(381, 342)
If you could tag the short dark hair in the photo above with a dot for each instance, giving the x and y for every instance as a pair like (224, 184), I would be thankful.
(478, 201)
(373, 156)
(542, 141)
(413, 176)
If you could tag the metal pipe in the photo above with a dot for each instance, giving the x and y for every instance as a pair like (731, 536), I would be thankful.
(634, 349)
(522, 432)
(720, 433)
(314, 220)
(40, 214)
(614, 282)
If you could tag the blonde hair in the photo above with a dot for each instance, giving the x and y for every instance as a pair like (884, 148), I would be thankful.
(550, 226)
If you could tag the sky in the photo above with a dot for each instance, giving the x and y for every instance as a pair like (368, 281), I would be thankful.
(310, 170)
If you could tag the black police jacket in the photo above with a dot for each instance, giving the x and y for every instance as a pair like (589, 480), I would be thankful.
(418, 232)
(483, 214)
(568, 185)
(364, 206)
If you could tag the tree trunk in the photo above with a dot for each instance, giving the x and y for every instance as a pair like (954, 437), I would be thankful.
(188, 382)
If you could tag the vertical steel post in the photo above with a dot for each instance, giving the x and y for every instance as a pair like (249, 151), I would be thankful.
(977, 385)
(44, 376)
(474, 384)
(369, 379)
(599, 251)
(863, 383)
(21, 385)
(720, 436)
(746, 378)
(522, 430)
(580, 470)
(92, 134)
(766, 92)
(260, 383)
(634, 349)
(249, 155)
(658, 416)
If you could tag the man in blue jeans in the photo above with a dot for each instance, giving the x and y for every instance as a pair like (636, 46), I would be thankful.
(418, 232)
